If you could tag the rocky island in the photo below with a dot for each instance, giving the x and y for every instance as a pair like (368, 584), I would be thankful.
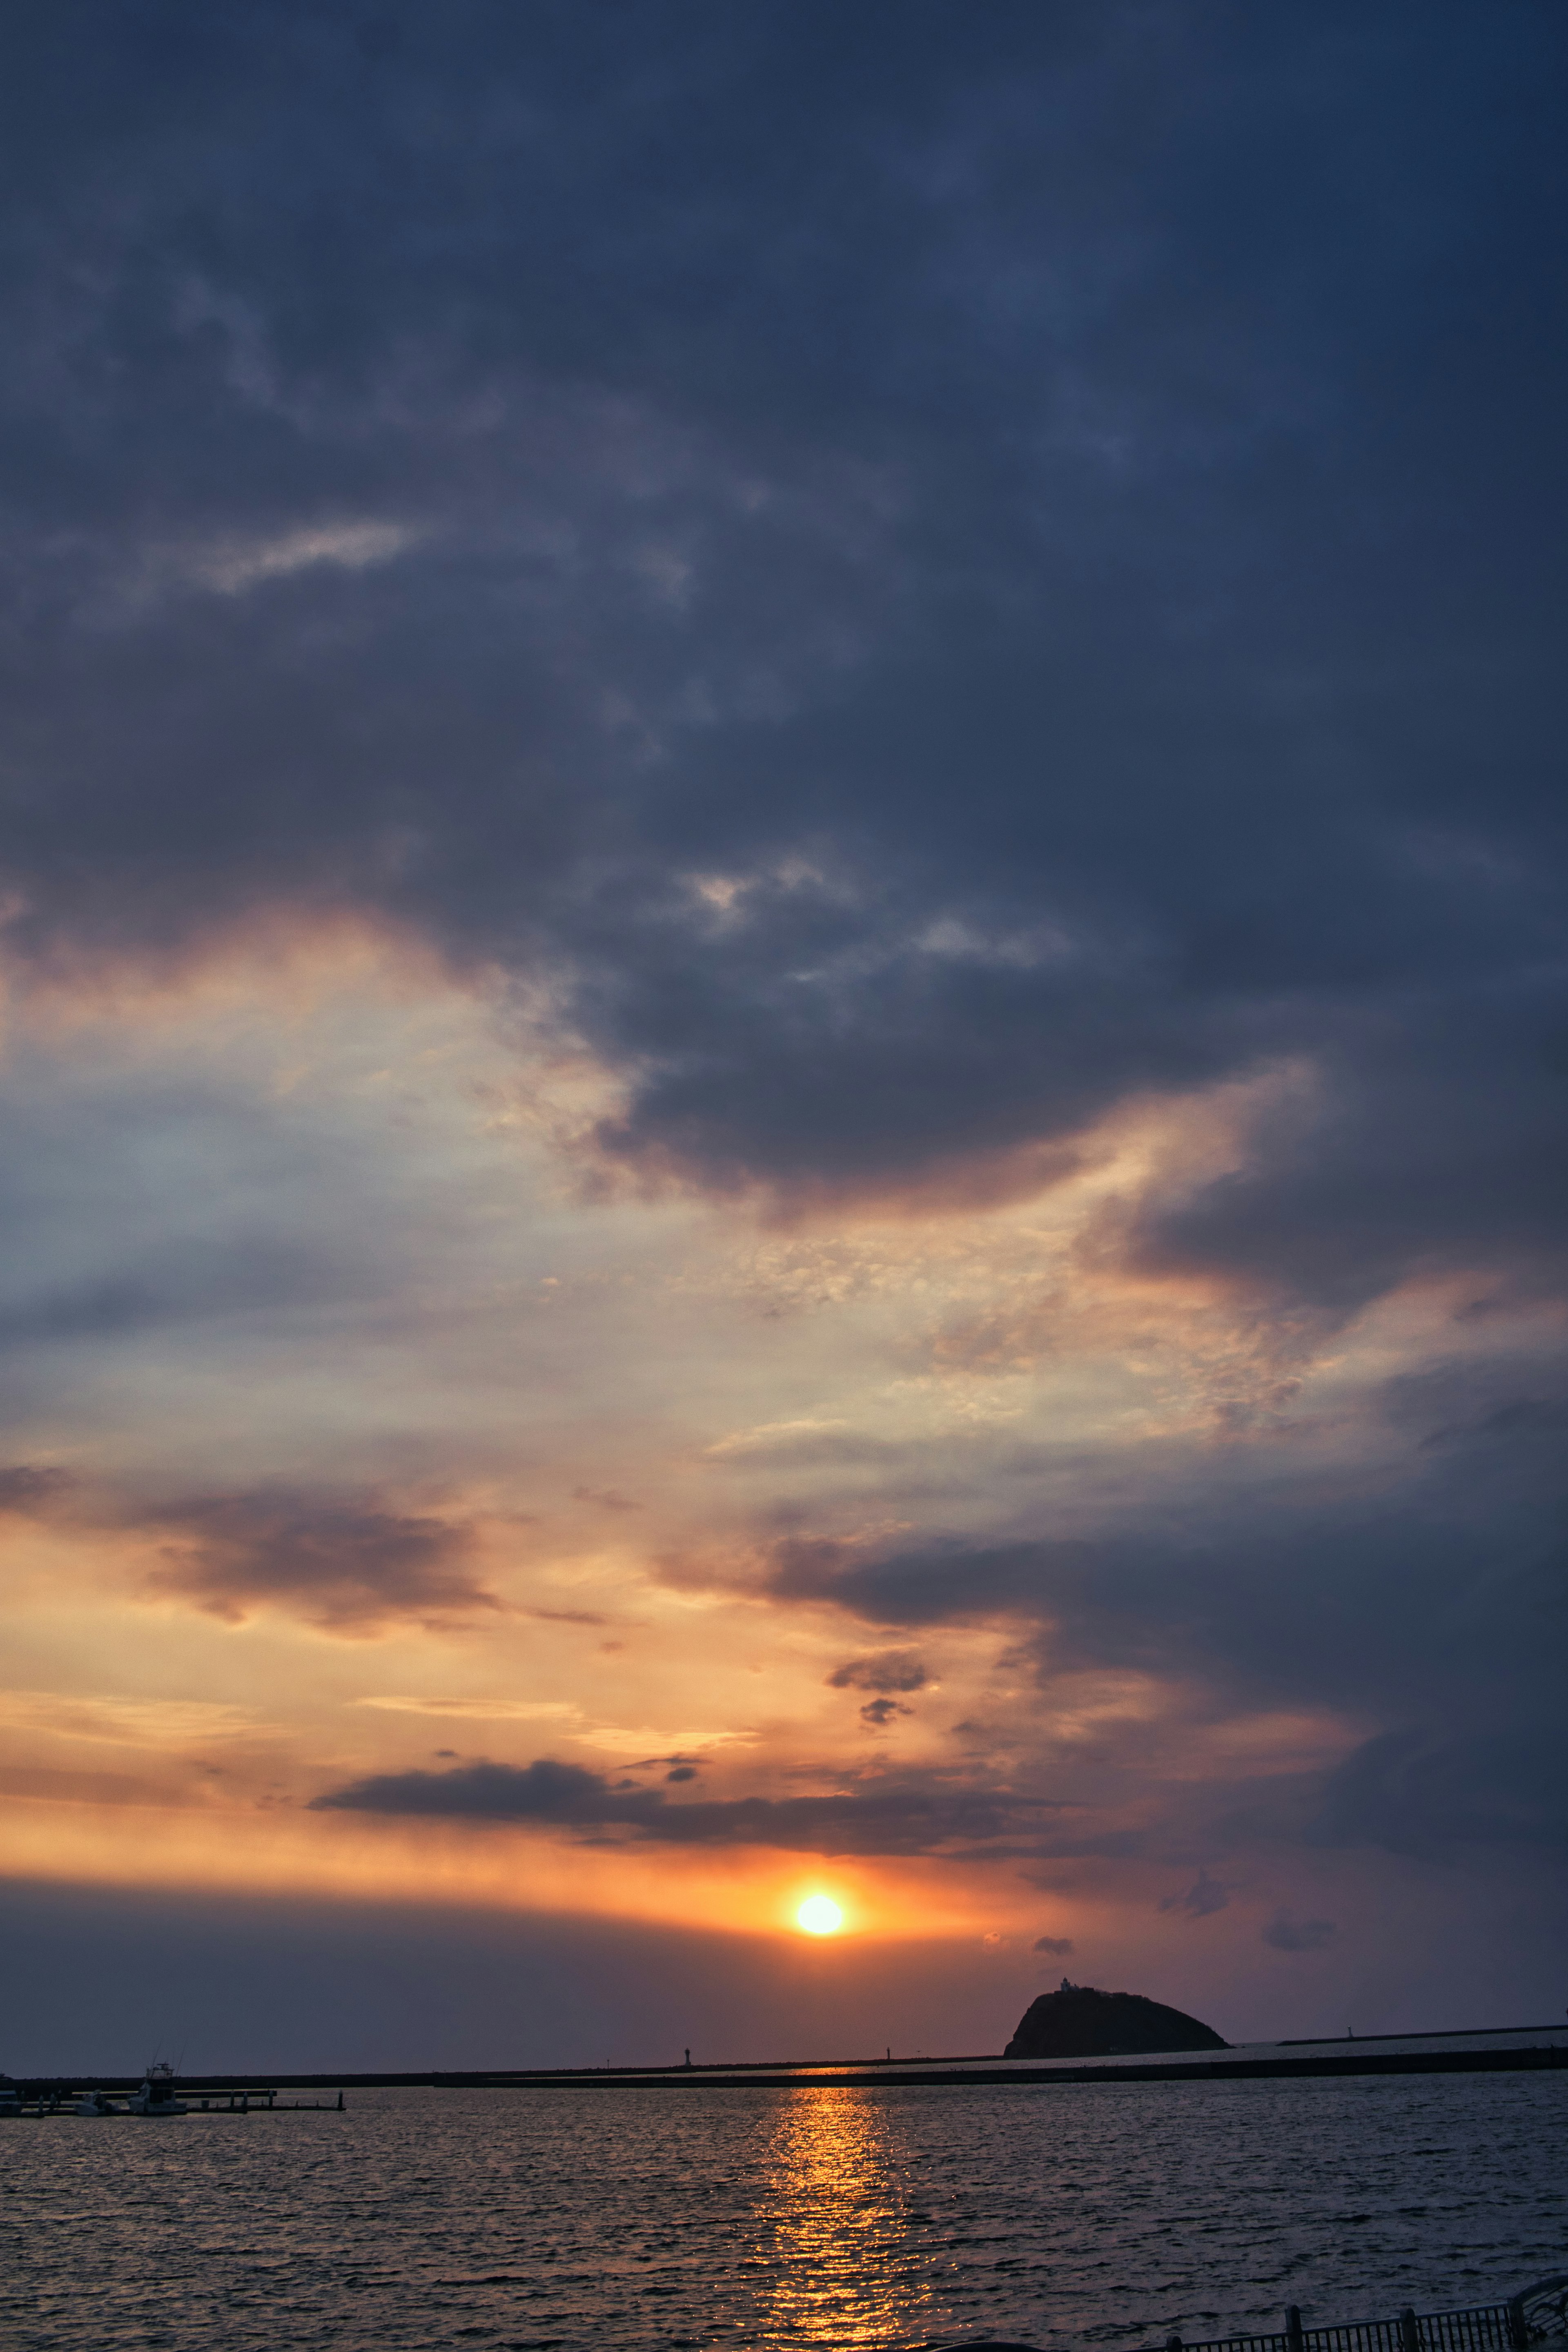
(1080, 2022)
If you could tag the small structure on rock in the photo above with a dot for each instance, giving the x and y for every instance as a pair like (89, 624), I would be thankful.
(1080, 2022)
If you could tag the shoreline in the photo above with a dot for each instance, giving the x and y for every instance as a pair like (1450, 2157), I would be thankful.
(1339, 2060)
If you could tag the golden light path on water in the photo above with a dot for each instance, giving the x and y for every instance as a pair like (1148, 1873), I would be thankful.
(840, 2168)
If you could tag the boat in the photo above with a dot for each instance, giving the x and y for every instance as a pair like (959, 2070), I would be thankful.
(94, 2102)
(156, 2096)
(10, 2097)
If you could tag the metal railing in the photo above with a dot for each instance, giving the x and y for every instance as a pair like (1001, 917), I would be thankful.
(1537, 2316)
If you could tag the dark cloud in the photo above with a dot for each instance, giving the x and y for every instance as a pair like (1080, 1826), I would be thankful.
(199, 1282)
(1289, 1935)
(1520, 1417)
(1431, 1793)
(912, 1818)
(878, 1712)
(890, 1670)
(1454, 1575)
(1051, 522)
(1055, 1946)
(29, 1490)
(1393, 1179)
(1442, 1598)
(1204, 1896)
(344, 1563)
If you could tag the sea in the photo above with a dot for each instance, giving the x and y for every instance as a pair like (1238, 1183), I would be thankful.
(560, 2218)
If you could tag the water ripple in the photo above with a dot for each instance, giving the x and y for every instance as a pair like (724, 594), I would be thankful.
(553, 2220)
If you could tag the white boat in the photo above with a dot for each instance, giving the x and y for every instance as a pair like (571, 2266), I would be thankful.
(94, 2102)
(156, 2096)
(10, 2097)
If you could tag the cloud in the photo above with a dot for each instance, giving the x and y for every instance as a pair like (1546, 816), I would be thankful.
(625, 1739)
(1445, 1585)
(203, 1281)
(1055, 1946)
(480, 1710)
(878, 1712)
(1312, 1591)
(802, 1441)
(345, 1564)
(1432, 1793)
(1202, 1897)
(1289, 1935)
(113, 1719)
(1520, 1417)
(910, 1819)
(863, 883)
(233, 566)
(28, 1489)
(890, 1670)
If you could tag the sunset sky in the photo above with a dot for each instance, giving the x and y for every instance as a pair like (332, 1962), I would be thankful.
(784, 1022)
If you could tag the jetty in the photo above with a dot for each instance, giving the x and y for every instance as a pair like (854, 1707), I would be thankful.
(158, 2093)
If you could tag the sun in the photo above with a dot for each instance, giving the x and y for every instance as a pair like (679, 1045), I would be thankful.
(819, 1917)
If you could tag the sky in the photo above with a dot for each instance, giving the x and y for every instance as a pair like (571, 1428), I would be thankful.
(785, 1029)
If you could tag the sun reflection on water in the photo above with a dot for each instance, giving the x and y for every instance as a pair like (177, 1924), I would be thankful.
(838, 2182)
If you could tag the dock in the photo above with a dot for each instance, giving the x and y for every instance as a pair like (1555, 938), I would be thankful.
(39, 2101)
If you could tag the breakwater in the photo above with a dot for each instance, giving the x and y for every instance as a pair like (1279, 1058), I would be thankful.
(1276, 2062)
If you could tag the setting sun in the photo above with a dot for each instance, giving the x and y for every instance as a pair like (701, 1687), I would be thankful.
(819, 1917)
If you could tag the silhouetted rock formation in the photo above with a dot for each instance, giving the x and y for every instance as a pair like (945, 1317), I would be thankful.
(1078, 2021)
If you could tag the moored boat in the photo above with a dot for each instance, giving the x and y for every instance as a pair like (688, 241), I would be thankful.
(156, 2096)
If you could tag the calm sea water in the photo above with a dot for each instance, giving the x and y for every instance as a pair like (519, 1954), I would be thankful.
(1102, 2215)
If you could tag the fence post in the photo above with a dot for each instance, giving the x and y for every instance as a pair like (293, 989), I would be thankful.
(1293, 2327)
(1518, 2326)
(1409, 2331)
